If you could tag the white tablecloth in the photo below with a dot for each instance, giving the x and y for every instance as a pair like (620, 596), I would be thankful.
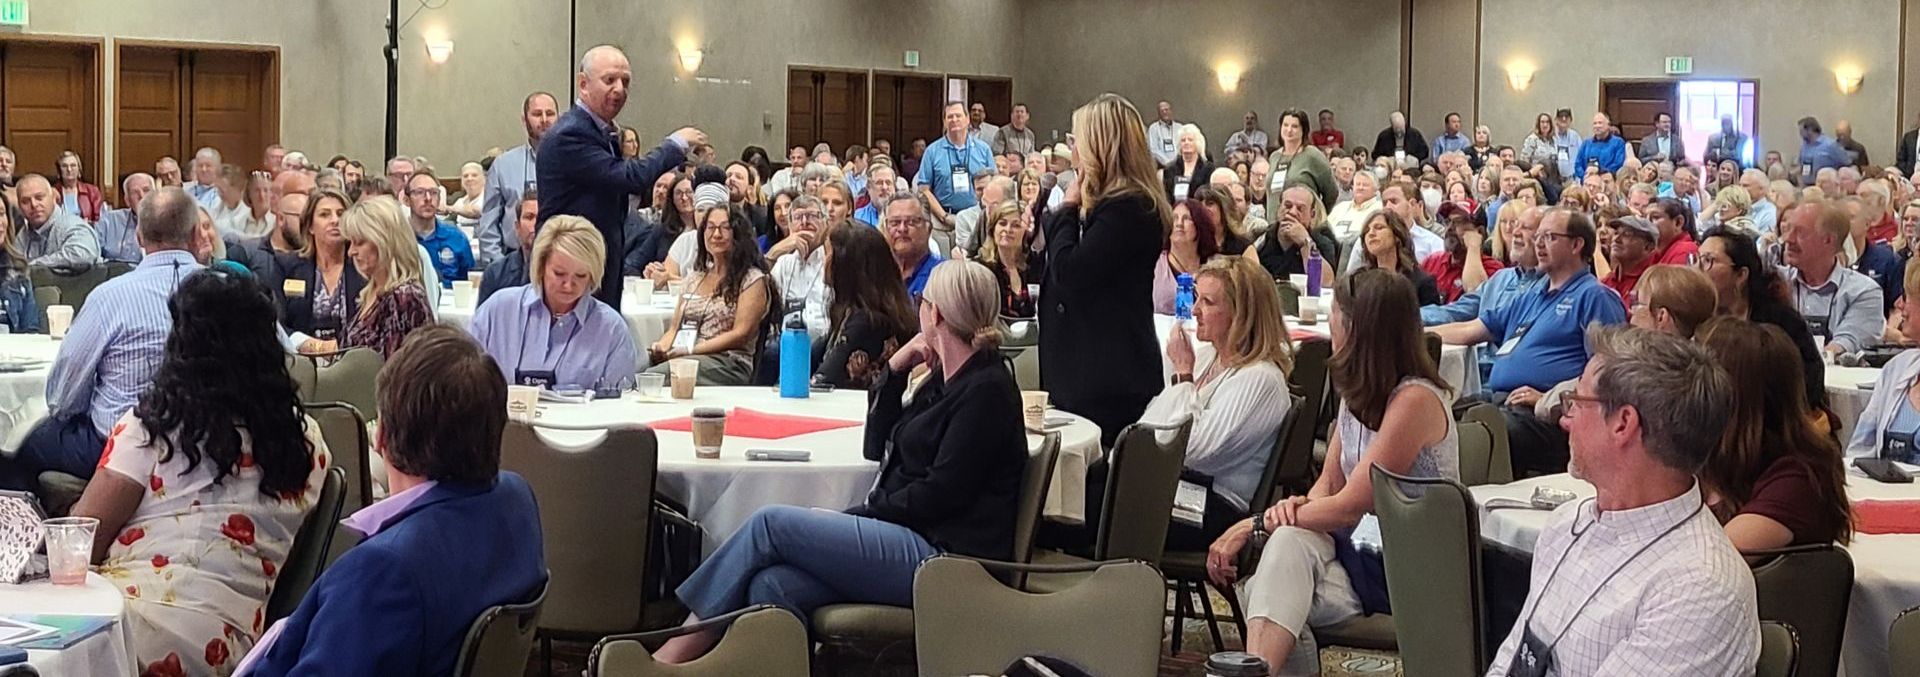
(647, 319)
(1456, 362)
(105, 653)
(721, 493)
(23, 394)
(1886, 576)
(1846, 397)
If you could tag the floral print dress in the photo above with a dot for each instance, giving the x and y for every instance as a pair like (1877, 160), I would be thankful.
(197, 561)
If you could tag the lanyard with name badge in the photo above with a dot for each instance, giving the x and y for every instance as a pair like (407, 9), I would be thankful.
(546, 377)
(1534, 658)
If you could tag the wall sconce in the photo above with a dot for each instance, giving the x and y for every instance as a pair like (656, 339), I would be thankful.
(1848, 79)
(439, 50)
(690, 58)
(1519, 76)
(1227, 73)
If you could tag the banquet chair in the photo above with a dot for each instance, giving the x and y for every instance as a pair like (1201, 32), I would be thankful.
(305, 373)
(842, 625)
(1287, 463)
(498, 641)
(763, 640)
(1143, 472)
(1779, 649)
(43, 296)
(59, 491)
(349, 378)
(308, 556)
(971, 623)
(1434, 348)
(1430, 529)
(1310, 381)
(596, 519)
(75, 286)
(348, 447)
(1289, 297)
(1498, 466)
(1903, 643)
(1810, 588)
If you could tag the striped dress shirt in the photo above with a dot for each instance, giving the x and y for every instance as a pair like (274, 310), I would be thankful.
(116, 343)
(1685, 606)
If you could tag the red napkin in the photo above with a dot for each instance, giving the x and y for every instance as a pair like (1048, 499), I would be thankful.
(1300, 335)
(1880, 517)
(744, 422)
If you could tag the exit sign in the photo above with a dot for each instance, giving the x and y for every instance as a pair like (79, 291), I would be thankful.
(13, 12)
(1679, 65)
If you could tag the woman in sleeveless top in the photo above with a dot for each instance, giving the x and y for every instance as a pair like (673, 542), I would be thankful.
(1394, 413)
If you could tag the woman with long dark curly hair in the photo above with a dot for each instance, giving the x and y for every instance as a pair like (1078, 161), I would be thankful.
(724, 306)
(210, 477)
(870, 315)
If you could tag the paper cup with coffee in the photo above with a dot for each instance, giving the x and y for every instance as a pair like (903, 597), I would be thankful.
(709, 431)
(1033, 408)
(683, 374)
(1309, 310)
(463, 294)
(476, 277)
(59, 318)
(522, 402)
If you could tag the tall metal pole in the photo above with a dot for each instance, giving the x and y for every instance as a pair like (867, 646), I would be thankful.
(393, 82)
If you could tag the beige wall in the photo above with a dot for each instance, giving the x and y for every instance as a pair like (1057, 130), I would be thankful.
(1443, 65)
(1309, 54)
(1788, 45)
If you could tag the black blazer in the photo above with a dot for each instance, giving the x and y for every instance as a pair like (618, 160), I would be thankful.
(1903, 156)
(1202, 171)
(296, 310)
(950, 461)
(586, 177)
(1097, 303)
(1416, 145)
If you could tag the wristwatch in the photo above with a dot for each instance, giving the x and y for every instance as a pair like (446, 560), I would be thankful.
(1182, 378)
(1260, 528)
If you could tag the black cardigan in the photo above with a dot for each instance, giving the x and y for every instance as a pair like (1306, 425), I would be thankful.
(951, 461)
(1096, 306)
(1202, 172)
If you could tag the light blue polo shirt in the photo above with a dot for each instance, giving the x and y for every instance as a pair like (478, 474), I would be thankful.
(1548, 331)
(937, 167)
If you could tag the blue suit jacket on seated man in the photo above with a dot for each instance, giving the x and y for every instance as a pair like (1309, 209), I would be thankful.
(400, 603)
(583, 174)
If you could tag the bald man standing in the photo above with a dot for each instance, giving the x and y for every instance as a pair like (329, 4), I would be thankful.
(583, 172)
(1604, 150)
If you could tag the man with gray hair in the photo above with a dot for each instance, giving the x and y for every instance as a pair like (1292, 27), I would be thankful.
(115, 231)
(586, 174)
(166, 173)
(1765, 214)
(112, 350)
(1640, 579)
(8, 163)
(906, 224)
(800, 266)
(54, 237)
(205, 187)
(1400, 141)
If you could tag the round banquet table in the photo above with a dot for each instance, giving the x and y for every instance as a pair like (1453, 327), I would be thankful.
(1457, 365)
(721, 493)
(647, 319)
(107, 652)
(23, 394)
(1886, 567)
(1848, 389)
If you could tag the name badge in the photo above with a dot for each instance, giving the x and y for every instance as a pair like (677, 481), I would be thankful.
(1512, 342)
(1276, 179)
(1818, 327)
(1166, 144)
(1898, 447)
(536, 378)
(294, 287)
(684, 339)
(1561, 152)
(962, 183)
(1180, 188)
(1533, 659)
(1806, 172)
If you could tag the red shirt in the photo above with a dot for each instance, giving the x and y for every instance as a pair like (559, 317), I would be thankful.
(1622, 281)
(1883, 230)
(1329, 139)
(1446, 275)
(1680, 253)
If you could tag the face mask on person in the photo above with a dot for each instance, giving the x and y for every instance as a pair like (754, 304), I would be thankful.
(1379, 175)
(1432, 197)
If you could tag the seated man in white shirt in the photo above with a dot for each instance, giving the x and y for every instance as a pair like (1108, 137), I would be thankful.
(1641, 579)
(799, 273)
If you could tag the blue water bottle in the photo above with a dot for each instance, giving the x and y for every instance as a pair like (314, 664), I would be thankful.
(796, 358)
(1183, 297)
(1313, 270)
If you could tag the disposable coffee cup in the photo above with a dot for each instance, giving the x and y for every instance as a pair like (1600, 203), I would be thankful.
(463, 294)
(1033, 408)
(709, 431)
(1298, 281)
(1236, 664)
(1309, 310)
(59, 319)
(522, 401)
(683, 374)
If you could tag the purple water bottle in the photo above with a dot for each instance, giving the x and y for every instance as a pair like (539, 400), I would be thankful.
(1313, 270)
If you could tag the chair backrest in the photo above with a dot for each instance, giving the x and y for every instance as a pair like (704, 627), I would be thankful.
(305, 374)
(1033, 496)
(44, 296)
(1434, 347)
(308, 556)
(345, 430)
(1289, 297)
(1291, 458)
(1430, 532)
(1780, 649)
(1903, 643)
(596, 508)
(74, 286)
(763, 640)
(1810, 588)
(1476, 446)
(498, 641)
(966, 622)
(1499, 463)
(1142, 474)
(350, 379)
(1312, 382)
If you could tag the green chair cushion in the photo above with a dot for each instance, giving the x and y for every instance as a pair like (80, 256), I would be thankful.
(864, 621)
(1366, 632)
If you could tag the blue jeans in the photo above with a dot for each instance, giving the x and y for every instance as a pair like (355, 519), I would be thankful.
(803, 559)
(70, 446)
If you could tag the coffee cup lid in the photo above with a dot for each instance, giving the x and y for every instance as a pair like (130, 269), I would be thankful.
(1236, 664)
(709, 412)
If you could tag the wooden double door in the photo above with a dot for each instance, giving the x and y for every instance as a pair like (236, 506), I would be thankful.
(50, 104)
(172, 101)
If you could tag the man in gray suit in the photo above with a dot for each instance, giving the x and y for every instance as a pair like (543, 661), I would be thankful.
(1663, 143)
(511, 175)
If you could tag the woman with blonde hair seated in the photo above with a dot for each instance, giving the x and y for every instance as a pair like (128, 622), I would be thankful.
(393, 303)
(552, 332)
(1393, 414)
(1732, 208)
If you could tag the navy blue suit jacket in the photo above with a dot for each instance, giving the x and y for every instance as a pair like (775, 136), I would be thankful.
(400, 603)
(581, 173)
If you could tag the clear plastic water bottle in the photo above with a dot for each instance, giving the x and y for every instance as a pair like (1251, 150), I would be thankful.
(796, 359)
(1313, 270)
(1183, 297)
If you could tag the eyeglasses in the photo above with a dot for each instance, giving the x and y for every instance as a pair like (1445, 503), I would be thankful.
(805, 217)
(421, 192)
(1705, 262)
(1549, 236)
(1574, 398)
(910, 222)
